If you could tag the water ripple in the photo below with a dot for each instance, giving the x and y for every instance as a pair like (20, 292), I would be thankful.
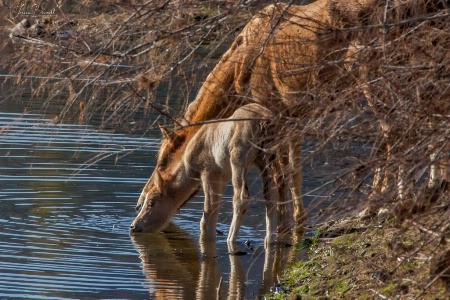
(63, 226)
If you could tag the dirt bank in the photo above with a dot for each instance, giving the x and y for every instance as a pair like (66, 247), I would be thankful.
(405, 256)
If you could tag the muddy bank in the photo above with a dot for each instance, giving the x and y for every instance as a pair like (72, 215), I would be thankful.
(401, 257)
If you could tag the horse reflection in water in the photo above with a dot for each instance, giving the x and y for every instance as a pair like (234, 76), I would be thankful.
(177, 269)
(170, 272)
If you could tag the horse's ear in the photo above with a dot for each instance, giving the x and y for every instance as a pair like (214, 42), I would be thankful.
(182, 122)
(159, 181)
(165, 133)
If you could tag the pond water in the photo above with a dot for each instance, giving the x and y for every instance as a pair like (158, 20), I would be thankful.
(67, 197)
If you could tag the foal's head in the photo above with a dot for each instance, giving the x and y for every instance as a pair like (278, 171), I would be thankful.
(167, 189)
(171, 148)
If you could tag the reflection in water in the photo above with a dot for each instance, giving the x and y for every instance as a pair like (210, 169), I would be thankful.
(177, 269)
(170, 262)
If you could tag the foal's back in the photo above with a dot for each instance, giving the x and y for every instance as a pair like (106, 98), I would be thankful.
(211, 147)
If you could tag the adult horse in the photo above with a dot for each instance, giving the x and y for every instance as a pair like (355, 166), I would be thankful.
(290, 59)
(280, 39)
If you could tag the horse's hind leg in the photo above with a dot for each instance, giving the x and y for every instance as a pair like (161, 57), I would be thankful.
(272, 191)
(439, 177)
(285, 206)
(291, 214)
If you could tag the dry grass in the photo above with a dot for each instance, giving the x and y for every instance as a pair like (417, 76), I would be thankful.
(119, 53)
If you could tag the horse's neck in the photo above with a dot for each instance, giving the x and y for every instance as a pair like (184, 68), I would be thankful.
(183, 177)
(213, 99)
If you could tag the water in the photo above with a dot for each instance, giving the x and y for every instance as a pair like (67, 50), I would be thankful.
(63, 228)
(67, 197)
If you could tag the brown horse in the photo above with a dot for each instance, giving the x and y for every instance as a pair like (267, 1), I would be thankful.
(283, 59)
(217, 153)
(279, 40)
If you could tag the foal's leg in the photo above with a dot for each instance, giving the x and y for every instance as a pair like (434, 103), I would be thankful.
(213, 188)
(271, 194)
(241, 197)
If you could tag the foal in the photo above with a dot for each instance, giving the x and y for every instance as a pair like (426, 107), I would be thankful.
(217, 153)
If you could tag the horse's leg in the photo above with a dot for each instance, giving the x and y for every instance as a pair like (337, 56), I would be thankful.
(380, 183)
(280, 171)
(435, 176)
(401, 181)
(445, 170)
(295, 161)
(213, 189)
(291, 172)
(445, 165)
(272, 192)
(439, 168)
(241, 197)
(280, 174)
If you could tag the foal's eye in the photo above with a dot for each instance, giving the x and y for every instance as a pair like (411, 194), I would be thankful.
(151, 204)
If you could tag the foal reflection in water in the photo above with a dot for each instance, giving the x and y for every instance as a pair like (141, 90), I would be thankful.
(217, 153)
(175, 270)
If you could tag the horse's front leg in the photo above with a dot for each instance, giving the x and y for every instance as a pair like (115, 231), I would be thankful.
(213, 188)
(272, 194)
(241, 197)
(295, 161)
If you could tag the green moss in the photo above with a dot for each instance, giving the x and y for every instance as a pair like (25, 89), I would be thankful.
(209, 11)
(346, 240)
(341, 286)
(279, 296)
(389, 289)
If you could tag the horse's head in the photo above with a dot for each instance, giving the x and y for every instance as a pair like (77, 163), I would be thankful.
(167, 189)
(157, 208)
(170, 146)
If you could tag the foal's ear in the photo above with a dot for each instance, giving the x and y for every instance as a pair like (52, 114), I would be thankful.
(165, 133)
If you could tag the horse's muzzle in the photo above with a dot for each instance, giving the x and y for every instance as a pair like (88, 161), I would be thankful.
(134, 228)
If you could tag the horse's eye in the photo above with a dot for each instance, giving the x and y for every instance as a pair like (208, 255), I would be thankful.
(151, 204)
